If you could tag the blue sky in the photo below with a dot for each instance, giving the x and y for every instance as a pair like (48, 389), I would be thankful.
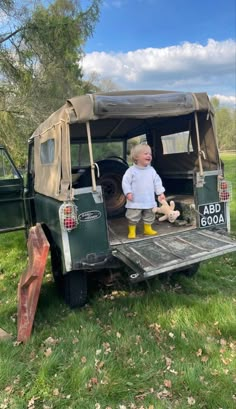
(166, 44)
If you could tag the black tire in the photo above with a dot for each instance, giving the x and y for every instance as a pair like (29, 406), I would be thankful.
(118, 158)
(56, 266)
(191, 271)
(110, 178)
(75, 288)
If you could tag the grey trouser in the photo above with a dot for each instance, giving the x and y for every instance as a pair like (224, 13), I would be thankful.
(135, 215)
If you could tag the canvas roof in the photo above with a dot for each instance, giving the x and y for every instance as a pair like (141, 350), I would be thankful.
(139, 104)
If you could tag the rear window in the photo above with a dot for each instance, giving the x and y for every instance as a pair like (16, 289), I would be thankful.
(177, 143)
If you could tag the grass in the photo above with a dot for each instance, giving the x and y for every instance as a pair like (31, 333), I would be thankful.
(169, 345)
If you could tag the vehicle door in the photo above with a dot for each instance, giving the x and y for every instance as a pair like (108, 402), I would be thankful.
(12, 210)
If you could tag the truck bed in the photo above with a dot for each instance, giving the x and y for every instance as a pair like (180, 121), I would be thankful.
(118, 227)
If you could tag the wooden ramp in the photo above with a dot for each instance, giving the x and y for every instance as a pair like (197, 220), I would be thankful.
(30, 283)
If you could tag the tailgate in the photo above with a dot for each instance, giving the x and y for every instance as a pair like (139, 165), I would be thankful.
(156, 255)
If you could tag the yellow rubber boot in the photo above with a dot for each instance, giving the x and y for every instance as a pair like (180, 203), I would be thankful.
(132, 232)
(148, 231)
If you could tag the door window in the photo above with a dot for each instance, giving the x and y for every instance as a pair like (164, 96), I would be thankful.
(7, 170)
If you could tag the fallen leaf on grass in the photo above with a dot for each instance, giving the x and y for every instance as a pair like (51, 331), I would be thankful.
(56, 392)
(9, 389)
(143, 394)
(173, 371)
(99, 365)
(48, 352)
(131, 314)
(167, 383)
(4, 405)
(191, 401)
(164, 394)
(204, 358)
(199, 352)
(32, 402)
(91, 383)
(226, 361)
(168, 362)
(51, 341)
(107, 347)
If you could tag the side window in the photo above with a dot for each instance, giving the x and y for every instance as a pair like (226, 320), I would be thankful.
(177, 143)
(80, 153)
(7, 170)
(47, 152)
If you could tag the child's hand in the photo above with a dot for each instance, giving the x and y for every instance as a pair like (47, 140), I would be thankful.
(129, 196)
(161, 197)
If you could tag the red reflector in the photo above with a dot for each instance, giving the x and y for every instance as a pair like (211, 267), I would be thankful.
(69, 223)
(224, 195)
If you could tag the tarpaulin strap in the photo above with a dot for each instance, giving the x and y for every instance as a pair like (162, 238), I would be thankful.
(94, 187)
(200, 152)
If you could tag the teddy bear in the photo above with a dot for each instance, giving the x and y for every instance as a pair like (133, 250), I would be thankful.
(167, 210)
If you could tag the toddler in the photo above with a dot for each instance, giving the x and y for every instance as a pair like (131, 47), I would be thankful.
(140, 183)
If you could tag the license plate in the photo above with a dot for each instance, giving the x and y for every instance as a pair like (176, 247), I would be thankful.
(212, 214)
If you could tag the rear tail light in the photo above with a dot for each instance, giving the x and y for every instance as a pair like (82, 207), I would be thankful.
(225, 190)
(68, 216)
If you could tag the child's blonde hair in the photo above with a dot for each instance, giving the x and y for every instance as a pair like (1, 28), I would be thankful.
(137, 149)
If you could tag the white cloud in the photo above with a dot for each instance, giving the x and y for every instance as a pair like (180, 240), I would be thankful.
(187, 67)
(226, 100)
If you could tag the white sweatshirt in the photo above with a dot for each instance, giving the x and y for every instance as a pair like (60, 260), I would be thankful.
(143, 183)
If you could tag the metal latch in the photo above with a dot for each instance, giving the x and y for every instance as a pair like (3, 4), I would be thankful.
(200, 180)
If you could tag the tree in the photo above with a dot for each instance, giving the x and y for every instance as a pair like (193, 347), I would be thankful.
(40, 62)
(226, 125)
(98, 83)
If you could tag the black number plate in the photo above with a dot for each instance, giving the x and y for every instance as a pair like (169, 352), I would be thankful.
(212, 214)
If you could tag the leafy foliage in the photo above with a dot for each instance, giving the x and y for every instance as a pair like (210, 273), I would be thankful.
(40, 64)
(226, 126)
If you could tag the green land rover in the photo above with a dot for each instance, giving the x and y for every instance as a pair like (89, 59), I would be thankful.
(77, 158)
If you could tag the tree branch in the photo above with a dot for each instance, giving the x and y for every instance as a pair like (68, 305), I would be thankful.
(2, 40)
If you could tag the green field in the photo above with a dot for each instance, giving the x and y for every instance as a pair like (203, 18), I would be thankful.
(168, 345)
